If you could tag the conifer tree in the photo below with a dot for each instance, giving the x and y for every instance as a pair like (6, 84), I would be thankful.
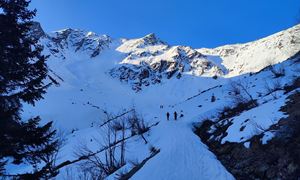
(22, 71)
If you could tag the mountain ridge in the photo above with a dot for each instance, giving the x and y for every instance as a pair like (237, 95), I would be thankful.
(149, 60)
(275, 47)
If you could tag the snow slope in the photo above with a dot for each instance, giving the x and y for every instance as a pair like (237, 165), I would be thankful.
(254, 56)
(182, 156)
(95, 74)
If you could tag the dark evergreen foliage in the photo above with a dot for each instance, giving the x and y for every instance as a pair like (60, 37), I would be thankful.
(22, 71)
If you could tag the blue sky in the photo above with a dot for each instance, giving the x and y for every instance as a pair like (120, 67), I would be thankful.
(197, 23)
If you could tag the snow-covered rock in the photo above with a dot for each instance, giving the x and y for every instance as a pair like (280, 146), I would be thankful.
(76, 40)
(254, 56)
(144, 68)
(150, 61)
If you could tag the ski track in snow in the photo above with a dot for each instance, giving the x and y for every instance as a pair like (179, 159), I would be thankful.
(182, 156)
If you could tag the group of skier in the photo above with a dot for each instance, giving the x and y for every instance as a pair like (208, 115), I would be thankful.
(175, 116)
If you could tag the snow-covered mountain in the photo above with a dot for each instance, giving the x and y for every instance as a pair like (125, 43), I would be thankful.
(254, 56)
(145, 60)
(149, 61)
(97, 75)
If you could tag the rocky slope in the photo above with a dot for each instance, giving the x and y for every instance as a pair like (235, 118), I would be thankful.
(76, 40)
(145, 61)
(150, 60)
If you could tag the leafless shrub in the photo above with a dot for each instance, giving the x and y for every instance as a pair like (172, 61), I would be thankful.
(293, 85)
(272, 89)
(118, 125)
(138, 125)
(111, 154)
(111, 161)
(99, 166)
(277, 71)
(258, 128)
(239, 91)
(228, 112)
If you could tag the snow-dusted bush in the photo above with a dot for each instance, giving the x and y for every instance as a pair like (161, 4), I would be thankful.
(277, 71)
(239, 92)
(96, 166)
(138, 125)
(273, 88)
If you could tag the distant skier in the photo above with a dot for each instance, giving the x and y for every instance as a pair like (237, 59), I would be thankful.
(175, 115)
(181, 114)
(168, 116)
